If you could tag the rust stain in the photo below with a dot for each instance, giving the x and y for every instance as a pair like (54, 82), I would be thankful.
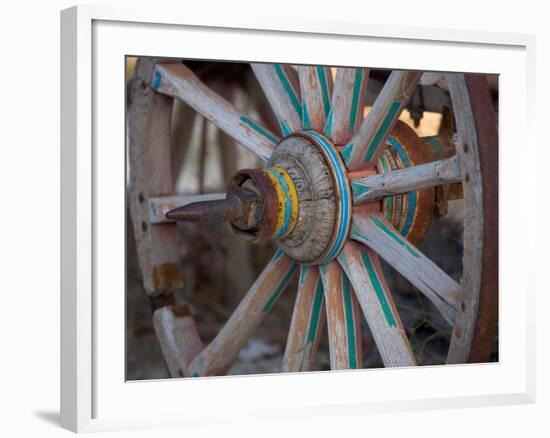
(167, 276)
(181, 311)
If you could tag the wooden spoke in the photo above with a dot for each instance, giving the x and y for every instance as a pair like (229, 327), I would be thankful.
(177, 80)
(375, 187)
(362, 266)
(160, 205)
(344, 332)
(308, 319)
(368, 142)
(316, 90)
(378, 234)
(282, 88)
(348, 103)
(178, 337)
(248, 315)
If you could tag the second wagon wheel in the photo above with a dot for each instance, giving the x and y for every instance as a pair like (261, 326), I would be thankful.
(320, 198)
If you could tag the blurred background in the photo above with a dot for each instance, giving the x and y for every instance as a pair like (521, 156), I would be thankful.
(219, 268)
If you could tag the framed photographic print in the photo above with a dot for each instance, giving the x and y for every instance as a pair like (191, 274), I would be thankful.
(283, 209)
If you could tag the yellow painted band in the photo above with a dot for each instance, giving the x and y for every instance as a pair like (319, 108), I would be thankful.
(280, 203)
(293, 195)
(287, 200)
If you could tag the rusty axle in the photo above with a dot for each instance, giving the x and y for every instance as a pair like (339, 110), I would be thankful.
(220, 210)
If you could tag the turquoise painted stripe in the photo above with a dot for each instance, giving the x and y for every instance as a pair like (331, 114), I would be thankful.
(288, 89)
(269, 303)
(358, 236)
(284, 128)
(304, 269)
(278, 254)
(389, 199)
(324, 88)
(411, 196)
(156, 80)
(315, 312)
(359, 189)
(259, 129)
(344, 189)
(350, 322)
(393, 235)
(355, 98)
(437, 146)
(328, 124)
(379, 291)
(306, 120)
(346, 153)
(287, 208)
(392, 113)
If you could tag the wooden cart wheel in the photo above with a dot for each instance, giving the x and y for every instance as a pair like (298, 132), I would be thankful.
(320, 197)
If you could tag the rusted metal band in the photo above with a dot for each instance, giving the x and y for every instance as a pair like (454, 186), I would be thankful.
(487, 136)
(268, 222)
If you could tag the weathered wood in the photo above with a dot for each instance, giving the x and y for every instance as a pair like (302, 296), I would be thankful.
(375, 187)
(244, 320)
(178, 81)
(183, 119)
(318, 206)
(378, 234)
(160, 205)
(178, 337)
(434, 78)
(149, 152)
(363, 268)
(282, 88)
(343, 323)
(348, 103)
(486, 124)
(308, 319)
(467, 149)
(368, 142)
(316, 91)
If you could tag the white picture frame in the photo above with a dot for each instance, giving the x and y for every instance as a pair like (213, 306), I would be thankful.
(94, 394)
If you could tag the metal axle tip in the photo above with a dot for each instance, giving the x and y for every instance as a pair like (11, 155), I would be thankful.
(204, 211)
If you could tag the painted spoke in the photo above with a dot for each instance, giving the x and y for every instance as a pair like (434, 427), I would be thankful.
(375, 187)
(178, 81)
(362, 266)
(246, 318)
(282, 89)
(160, 205)
(316, 91)
(378, 234)
(307, 323)
(344, 331)
(368, 142)
(348, 103)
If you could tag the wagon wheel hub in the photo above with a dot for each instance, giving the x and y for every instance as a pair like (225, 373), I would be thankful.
(301, 199)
